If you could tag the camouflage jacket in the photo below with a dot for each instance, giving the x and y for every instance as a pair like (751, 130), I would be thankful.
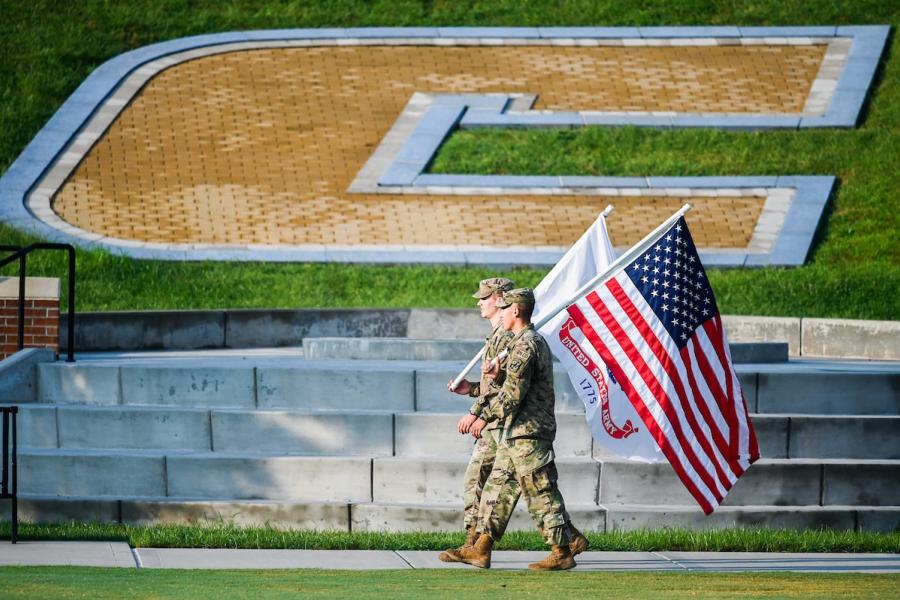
(486, 389)
(525, 402)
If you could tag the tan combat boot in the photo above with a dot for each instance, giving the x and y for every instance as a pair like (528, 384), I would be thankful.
(452, 554)
(578, 543)
(559, 559)
(478, 555)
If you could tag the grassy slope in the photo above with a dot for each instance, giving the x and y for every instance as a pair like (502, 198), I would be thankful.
(48, 48)
(80, 582)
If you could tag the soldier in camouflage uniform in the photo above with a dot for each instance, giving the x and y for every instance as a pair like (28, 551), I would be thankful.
(524, 463)
(490, 291)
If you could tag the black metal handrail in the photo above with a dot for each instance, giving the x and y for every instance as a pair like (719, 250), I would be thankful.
(21, 253)
(9, 480)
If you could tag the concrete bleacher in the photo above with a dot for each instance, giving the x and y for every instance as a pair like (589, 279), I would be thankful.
(332, 440)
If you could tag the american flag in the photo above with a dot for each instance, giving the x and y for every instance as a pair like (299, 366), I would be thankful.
(655, 323)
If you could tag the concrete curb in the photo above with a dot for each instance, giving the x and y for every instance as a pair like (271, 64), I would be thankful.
(873, 340)
(188, 330)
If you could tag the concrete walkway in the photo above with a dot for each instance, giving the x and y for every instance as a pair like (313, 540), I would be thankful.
(119, 554)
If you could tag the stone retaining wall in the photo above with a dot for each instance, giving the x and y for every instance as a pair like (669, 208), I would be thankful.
(171, 330)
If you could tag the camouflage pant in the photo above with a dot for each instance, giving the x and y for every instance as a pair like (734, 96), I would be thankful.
(524, 466)
(477, 472)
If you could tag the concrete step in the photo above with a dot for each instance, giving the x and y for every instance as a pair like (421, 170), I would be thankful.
(356, 433)
(408, 517)
(297, 384)
(418, 480)
(828, 392)
(86, 428)
(400, 517)
(435, 434)
(338, 434)
(432, 394)
(321, 516)
(36, 426)
(150, 510)
(461, 349)
(373, 386)
(391, 348)
(193, 384)
(307, 385)
(376, 433)
(858, 436)
(268, 432)
(91, 473)
(780, 436)
(439, 480)
(769, 482)
(198, 476)
(797, 387)
(317, 479)
(791, 388)
(623, 517)
(821, 437)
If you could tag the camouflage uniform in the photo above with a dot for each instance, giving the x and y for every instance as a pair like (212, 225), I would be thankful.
(525, 460)
(485, 450)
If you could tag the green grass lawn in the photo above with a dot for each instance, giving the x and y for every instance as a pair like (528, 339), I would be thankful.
(84, 582)
(229, 536)
(47, 48)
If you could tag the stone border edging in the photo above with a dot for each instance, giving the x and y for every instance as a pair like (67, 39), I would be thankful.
(783, 234)
(204, 329)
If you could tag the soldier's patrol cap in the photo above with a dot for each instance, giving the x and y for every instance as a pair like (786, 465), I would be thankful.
(523, 296)
(491, 286)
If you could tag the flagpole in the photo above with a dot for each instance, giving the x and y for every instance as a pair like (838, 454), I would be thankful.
(628, 256)
(465, 371)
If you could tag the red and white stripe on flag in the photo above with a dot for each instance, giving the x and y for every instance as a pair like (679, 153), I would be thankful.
(609, 414)
(655, 325)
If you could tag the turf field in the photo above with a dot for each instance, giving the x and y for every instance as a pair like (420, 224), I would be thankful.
(99, 584)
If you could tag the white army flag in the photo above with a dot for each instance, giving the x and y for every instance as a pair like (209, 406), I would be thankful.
(613, 421)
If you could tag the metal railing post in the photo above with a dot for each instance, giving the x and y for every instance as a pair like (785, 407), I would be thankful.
(4, 479)
(10, 489)
(14, 525)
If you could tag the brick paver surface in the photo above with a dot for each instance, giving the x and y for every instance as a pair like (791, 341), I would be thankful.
(259, 146)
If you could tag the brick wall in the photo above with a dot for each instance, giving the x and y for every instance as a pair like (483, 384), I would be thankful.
(41, 324)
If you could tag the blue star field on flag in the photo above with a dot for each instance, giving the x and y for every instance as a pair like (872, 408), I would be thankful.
(673, 282)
